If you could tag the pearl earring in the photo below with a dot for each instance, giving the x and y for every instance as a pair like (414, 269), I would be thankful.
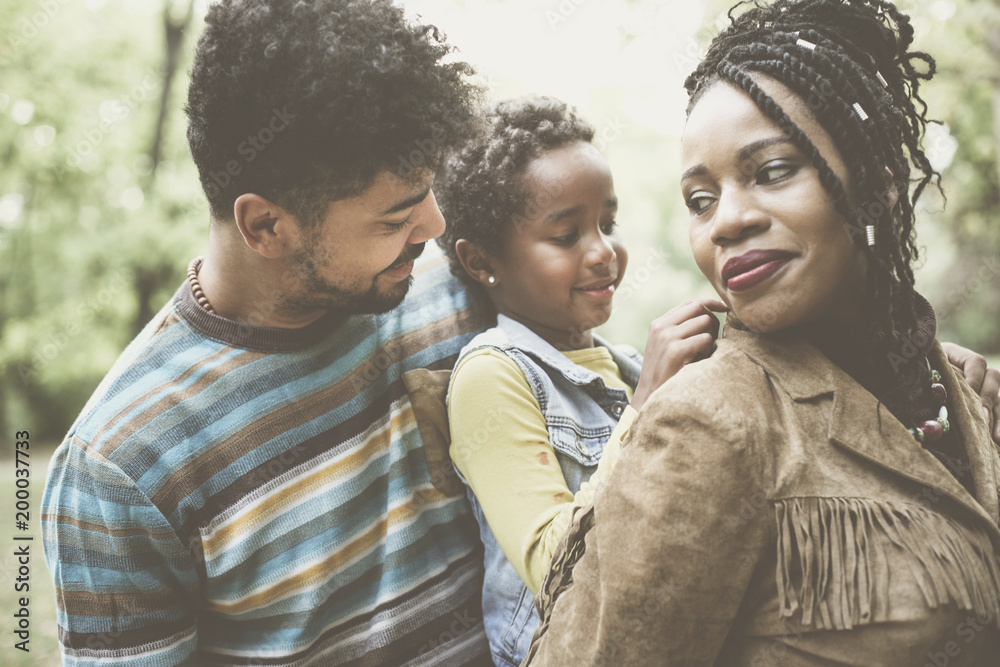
(492, 280)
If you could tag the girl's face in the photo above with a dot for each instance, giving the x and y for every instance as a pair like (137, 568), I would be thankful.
(563, 257)
(764, 230)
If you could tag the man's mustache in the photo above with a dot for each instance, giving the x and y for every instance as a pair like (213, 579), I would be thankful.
(410, 254)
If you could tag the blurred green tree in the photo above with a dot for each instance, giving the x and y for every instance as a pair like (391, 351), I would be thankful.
(964, 36)
(100, 206)
(99, 200)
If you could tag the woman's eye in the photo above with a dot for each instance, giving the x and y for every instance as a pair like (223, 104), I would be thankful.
(609, 227)
(699, 202)
(775, 172)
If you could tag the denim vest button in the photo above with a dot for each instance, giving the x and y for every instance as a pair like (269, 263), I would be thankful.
(617, 408)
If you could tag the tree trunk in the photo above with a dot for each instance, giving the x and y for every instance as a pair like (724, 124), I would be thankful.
(147, 280)
(174, 38)
(993, 43)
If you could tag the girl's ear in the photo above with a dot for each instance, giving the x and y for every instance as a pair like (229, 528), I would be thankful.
(476, 263)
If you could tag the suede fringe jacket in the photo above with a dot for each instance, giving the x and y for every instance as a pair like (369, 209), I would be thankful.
(768, 510)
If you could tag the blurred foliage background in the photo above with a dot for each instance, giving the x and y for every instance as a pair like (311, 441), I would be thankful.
(101, 211)
(100, 207)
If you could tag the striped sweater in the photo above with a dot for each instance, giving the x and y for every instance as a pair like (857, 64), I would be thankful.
(235, 495)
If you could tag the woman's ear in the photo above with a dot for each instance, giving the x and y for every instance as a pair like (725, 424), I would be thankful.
(476, 263)
(893, 194)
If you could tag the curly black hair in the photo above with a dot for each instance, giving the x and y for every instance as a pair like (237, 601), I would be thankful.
(307, 102)
(481, 191)
(851, 61)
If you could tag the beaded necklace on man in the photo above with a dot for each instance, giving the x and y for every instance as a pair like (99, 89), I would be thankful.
(199, 294)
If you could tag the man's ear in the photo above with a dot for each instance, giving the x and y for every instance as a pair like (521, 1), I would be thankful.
(476, 263)
(265, 226)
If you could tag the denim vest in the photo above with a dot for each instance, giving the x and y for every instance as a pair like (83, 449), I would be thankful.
(580, 413)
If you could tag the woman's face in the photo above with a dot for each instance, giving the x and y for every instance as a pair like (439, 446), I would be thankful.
(764, 230)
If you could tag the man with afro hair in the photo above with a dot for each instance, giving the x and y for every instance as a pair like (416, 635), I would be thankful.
(247, 485)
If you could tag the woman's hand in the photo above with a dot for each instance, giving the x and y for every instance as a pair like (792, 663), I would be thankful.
(684, 334)
(983, 380)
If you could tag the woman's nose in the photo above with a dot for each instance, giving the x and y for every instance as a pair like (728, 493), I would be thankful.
(737, 214)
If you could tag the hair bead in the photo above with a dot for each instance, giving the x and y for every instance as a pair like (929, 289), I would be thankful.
(860, 111)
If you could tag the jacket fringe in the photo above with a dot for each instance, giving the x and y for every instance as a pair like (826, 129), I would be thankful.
(560, 575)
(830, 564)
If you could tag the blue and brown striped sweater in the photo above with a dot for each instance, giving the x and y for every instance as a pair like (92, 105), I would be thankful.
(234, 495)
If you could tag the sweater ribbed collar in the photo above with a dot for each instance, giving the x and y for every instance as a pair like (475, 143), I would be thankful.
(248, 336)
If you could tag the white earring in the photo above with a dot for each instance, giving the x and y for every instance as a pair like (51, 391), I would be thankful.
(492, 280)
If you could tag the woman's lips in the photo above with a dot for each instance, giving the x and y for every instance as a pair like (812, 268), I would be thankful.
(749, 270)
(754, 277)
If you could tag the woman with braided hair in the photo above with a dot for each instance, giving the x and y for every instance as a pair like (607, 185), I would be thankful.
(822, 490)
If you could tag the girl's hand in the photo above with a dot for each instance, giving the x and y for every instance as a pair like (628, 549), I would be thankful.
(685, 334)
(983, 380)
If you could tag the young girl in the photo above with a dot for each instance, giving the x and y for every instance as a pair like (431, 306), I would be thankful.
(539, 404)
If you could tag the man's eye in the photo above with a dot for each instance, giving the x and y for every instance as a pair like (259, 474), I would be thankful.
(609, 227)
(396, 226)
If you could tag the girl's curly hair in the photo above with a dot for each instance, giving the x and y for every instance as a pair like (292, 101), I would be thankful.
(481, 192)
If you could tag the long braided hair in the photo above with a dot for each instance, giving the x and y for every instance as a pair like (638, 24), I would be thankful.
(850, 61)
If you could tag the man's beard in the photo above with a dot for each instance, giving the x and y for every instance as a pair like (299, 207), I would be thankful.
(317, 293)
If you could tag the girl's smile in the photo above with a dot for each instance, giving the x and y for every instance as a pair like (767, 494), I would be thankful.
(561, 263)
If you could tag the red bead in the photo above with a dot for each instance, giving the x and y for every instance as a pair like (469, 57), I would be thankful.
(939, 393)
(932, 430)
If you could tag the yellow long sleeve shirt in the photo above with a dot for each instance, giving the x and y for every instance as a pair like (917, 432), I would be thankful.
(514, 472)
